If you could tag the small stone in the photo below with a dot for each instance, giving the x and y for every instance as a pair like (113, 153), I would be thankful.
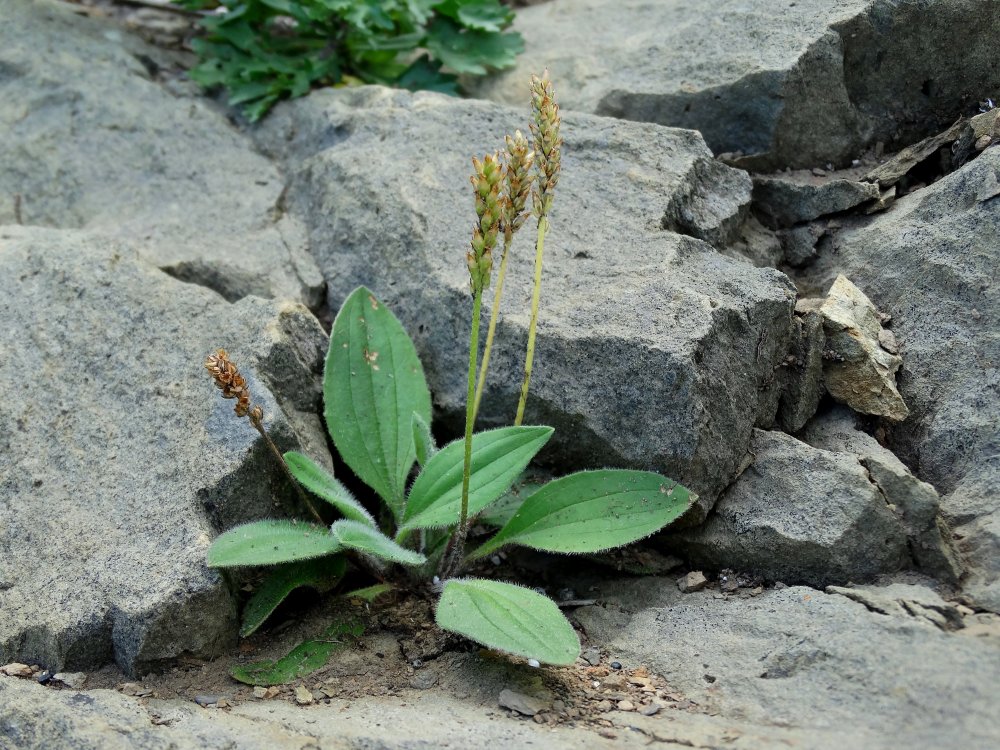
(526, 705)
(592, 656)
(604, 706)
(616, 665)
(693, 581)
(423, 680)
(223, 703)
(74, 680)
(43, 677)
(16, 669)
(626, 706)
(207, 700)
(271, 692)
(650, 710)
(983, 141)
(302, 696)
(260, 692)
(534, 663)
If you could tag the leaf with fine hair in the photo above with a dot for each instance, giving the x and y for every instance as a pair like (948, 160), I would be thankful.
(423, 440)
(592, 511)
(301, 661)
(269, 543)
(508, 618)
(355, 535)
(373, 384)
(318, 481)
(498, 458)
(321, 573)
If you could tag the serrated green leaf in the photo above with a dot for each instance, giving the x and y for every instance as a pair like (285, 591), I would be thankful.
(269, 543)
(318, 481)
(322, 574)
(470, 51)
(423, 440)
(355, 535)
(592, 511)
(498, 458)
(508, 618)
(301, 661)
(484, 15)
(372, 385)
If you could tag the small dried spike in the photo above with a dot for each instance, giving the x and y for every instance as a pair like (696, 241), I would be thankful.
(545, 130)
(228, 379)
(486, 178)
(518, 179)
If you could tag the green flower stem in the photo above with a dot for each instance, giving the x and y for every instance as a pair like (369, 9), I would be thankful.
(491, 329)
(454, 556)
(543, 225)
(259, 426)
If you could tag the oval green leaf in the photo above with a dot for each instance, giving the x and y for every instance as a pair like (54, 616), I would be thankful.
(356, 535)
(592, 511)
(269, 543)
(322, 574)
(321, 483)
(508, 618)
(372, 386)
(423, 440)
(498, 458)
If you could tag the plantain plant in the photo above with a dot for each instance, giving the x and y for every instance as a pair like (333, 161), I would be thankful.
(378, 412)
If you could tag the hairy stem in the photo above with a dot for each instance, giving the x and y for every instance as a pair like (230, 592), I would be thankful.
(491, 329)
(543, 224)
(453, 556)
(258, 423)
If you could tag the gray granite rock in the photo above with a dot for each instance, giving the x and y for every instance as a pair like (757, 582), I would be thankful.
(118, 461)
(786, 199)
(98, 136)
(799, 515)
(916, 503)
(802, 376)
(653, 348)
(817, 665)
(811, 82)
(930, 262)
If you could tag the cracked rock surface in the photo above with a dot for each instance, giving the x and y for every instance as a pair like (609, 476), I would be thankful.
(654, 350)
(92, 140)
(118, 461)
(814, 82)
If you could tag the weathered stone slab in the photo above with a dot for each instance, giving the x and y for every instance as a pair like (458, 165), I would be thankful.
(801, 85)
(654, 350)
(98, 136)
(799, 515)
(118, 460)
(784, 200)
(811, 663)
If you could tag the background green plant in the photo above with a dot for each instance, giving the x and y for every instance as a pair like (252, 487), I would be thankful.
(263, 50)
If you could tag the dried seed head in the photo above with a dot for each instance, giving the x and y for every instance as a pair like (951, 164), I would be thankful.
(227, 377)
(545, 130)
(518, 159)
(486, 180)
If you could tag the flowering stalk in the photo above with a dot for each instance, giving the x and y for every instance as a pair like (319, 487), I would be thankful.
(233, 385)
(545, 130)
(486, 186)
(517, 179)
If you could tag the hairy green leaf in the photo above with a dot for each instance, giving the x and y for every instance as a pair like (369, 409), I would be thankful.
(317, 480)
(591, 511)
(369, 593)
(355, 535)
(498, 458)
(503, 509)
(508, 618)
(372, 386)
(322, 574)
(269, 543)
(423, 440)
(301, 661)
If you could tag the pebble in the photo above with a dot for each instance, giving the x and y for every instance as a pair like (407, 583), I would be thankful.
(650, 710)
(626, 706)
(534, 663)
(302, 696)
(526, 705)
(604, 706)
(259, 692)
(693, 581)
(592, 656)
(207, 700)
(616, 665)
(983, 141)
(16, 669)
(423, 680)
(73, 680)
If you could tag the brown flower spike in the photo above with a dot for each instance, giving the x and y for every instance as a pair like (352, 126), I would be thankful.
(548, 144)
(518, 178)
(486, 180)
(228, 379)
